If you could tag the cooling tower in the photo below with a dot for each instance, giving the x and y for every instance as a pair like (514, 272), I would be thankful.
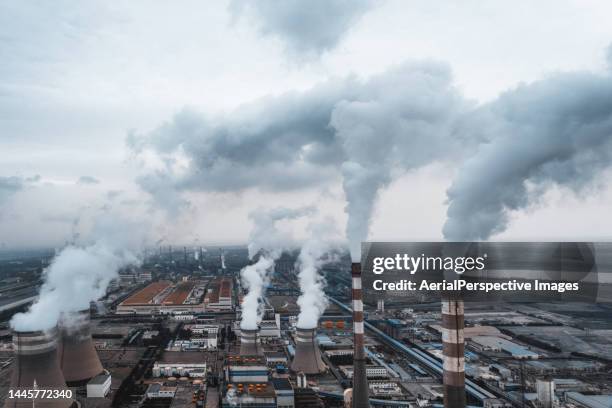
(360, 381)
(77, 355)
(307, 355)
(249, 342)
(453, 324)
(36, 362)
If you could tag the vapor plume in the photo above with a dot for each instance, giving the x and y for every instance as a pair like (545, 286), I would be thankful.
(557, 131)
(315, 252)
(267, 242)
(361, 133)
(79, 275)
(410, 122)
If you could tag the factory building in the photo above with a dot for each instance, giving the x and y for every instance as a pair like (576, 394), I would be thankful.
(180, 363)
(255, 395)
(246, 369)
(285, 397)
(219, 295)
(164, 297)
(99, 386)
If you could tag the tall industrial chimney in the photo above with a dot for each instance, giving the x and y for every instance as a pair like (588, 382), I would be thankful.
(307, 354)
(36, 362)
(249, 342)
(360, 382)
(453, 324)
(77, 355)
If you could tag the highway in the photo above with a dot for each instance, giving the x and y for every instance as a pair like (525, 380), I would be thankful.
(428, 361)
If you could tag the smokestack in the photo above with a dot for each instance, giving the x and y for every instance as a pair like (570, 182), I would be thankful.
(36, 362)
(307, 354)
(453, 324)
(360, 382)
(249, 342)
(77, 355)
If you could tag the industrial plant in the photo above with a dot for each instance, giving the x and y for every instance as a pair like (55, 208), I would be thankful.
(168, 334)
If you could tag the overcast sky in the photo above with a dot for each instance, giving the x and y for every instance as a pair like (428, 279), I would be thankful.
(77, 78)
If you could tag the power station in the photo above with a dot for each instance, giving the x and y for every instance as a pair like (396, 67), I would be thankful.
(77, 355)
(307, 355)
(36, 365)
(249, 342)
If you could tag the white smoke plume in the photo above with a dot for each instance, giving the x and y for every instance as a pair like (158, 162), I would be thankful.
(315, 252)
(267, 242)
(557, 131)
(79, 275)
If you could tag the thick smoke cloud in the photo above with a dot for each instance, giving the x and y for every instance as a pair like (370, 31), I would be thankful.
(267, 242)
(554, 131)
(306, 31)
(79, 275)
(408, 122)
(315, 252)
(360, 132)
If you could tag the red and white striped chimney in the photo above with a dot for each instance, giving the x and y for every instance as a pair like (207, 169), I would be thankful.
(453, 324)
(360, 382)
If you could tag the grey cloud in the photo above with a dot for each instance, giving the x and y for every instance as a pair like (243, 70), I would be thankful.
(88, 180)
(554, 131)
(306, 29)
(400, 118)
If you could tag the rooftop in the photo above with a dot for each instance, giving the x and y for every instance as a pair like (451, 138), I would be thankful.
(146, 295)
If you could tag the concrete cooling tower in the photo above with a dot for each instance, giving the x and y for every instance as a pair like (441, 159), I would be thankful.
(36, 362)
(77, 355)
(249, 342)
(307, 355)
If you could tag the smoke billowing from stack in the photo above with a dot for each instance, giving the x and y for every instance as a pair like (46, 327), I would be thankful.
(36, 362)
(267, 243)
(249, 342)
(307, 354)
(553, 132)
(360, 382)
(78, 358)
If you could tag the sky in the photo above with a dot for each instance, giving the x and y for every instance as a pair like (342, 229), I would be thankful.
(103, 104)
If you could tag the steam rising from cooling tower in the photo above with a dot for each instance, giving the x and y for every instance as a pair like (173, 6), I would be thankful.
(557, 131)
(80, 275)
(267, 242)
(314, 254)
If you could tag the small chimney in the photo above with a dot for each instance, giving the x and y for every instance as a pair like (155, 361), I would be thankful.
(249, 342)
(360, 382)
(307, 354)
(36, 362)
(79, 360)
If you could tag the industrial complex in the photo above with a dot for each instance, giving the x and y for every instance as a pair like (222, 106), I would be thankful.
(167, 334)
